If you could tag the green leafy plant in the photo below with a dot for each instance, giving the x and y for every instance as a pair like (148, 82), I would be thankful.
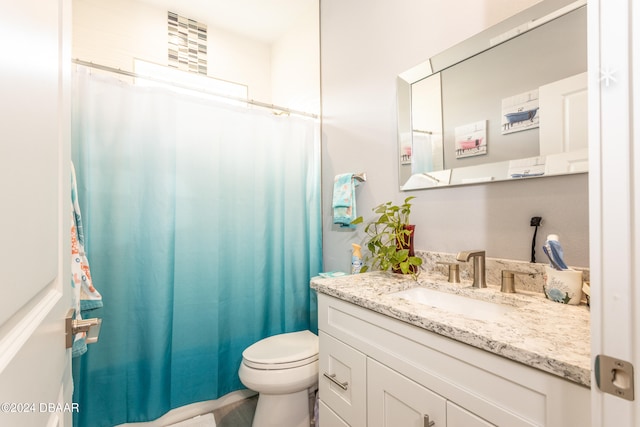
(388, 239)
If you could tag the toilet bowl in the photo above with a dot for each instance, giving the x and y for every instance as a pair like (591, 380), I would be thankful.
(283, 369)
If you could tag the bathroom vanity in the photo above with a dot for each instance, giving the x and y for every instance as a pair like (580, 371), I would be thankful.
(477, 357)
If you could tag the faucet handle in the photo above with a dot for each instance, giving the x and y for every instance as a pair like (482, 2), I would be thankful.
(507, 283)
(454, 271)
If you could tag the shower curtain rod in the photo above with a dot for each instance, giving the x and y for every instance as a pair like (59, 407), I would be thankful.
(182, 86)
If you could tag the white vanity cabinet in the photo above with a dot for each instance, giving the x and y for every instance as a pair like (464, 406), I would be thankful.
(379, 371)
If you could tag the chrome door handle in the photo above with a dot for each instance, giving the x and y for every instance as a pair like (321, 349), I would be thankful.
(333, 379)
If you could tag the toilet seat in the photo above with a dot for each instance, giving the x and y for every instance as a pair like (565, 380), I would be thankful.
(283, 351)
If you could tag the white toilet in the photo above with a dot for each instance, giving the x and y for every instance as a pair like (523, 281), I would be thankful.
(284, 370)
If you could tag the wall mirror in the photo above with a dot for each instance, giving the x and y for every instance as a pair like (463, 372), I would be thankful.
(509, 103)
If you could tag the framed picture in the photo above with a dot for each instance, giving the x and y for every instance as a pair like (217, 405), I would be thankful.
(520, 112)
(471, 139)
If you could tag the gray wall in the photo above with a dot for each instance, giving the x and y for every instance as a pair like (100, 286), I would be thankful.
(473, 89)
(365, 44)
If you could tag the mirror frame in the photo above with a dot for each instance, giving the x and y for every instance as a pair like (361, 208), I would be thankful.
(508, 29)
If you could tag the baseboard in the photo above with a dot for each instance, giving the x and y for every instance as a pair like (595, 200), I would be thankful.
(189, 411)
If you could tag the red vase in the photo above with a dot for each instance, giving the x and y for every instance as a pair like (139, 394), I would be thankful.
(407, 244)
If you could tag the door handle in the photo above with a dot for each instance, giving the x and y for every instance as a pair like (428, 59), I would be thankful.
(427, 422)
(333, 379)
(73, 327)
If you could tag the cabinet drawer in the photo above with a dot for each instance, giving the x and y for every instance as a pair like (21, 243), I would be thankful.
(328, 418)
(342, 381)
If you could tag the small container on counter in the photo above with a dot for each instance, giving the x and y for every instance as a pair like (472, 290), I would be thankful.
(564, 286)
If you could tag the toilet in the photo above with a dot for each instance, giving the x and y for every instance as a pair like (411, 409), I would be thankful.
(283, 369)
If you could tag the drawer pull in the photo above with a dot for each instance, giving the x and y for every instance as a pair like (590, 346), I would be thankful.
(428, 423)
(333, 379)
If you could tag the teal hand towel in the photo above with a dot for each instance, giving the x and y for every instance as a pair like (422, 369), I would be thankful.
(344, 200)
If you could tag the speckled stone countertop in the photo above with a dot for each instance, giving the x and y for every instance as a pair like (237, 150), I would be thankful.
(540, 333)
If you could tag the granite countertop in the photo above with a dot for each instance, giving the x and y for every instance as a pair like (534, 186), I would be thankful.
(540, 333)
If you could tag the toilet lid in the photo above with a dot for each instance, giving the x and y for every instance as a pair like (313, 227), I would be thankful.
(282, 351)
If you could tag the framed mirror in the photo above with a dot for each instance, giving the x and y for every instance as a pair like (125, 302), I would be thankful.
(509, 103)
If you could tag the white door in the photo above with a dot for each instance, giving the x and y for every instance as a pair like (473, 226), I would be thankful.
(35, 377)
(564, 127)
(564, 106)
(614, 200)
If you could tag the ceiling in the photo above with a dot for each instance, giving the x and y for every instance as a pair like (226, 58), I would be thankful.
(264, 20)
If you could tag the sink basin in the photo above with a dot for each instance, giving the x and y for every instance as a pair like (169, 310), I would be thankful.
(469, 307)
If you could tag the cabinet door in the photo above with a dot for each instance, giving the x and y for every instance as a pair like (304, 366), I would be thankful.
(395, 400)
(458, 417)
(342, 381)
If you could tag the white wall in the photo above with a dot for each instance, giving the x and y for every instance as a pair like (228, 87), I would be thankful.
(238, 59)
(285, 73)
(365, 45)
(295, 64)
(113, 33)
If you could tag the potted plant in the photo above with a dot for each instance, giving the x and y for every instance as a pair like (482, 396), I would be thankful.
(390, 240)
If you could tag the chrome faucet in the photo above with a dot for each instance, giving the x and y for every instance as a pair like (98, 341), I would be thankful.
(479, 277)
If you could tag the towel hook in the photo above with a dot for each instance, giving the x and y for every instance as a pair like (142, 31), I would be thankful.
(362, 176)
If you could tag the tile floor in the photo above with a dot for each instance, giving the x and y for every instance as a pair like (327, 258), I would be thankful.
(238, 414)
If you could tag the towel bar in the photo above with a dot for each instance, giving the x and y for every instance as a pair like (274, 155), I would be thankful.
(362, 176)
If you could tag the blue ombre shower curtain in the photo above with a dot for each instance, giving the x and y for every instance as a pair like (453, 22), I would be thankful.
(203, 228)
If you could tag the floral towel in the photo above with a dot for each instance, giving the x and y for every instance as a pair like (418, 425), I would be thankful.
(85, 296)
(344, 200)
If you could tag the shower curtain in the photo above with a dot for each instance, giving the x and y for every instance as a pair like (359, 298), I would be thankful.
(203, 228)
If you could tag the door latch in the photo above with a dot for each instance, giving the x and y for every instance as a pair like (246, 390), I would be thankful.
(614, 376)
